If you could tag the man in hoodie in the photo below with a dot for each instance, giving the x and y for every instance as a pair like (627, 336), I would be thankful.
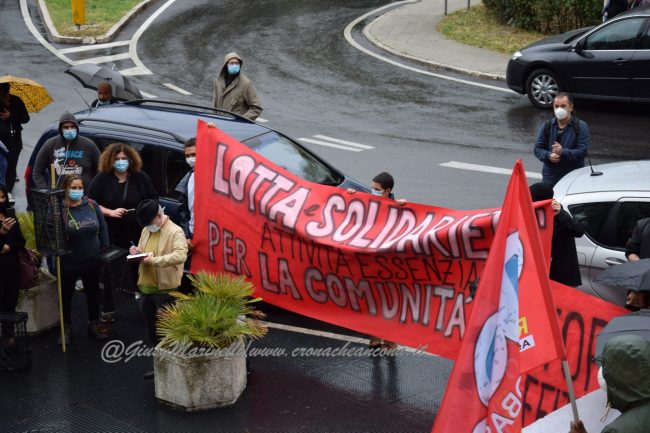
(625, 364)
(234, 92)
(69, 152)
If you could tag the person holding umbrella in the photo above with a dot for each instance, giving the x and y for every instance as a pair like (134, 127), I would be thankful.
(104, 95)
(13, 114)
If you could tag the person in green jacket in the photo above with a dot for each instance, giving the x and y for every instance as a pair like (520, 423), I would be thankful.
(626, 370)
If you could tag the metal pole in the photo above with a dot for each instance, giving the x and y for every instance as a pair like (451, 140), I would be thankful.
(445, 7)
(468, 4)
(58, 274)
(569, 385)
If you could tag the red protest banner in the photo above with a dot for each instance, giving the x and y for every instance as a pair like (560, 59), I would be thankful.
(513, 327)
(358, 261)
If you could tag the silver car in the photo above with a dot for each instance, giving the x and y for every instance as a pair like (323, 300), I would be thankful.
(608, 205)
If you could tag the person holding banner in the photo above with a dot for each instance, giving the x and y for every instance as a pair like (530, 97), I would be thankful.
(162, 251)
(625, 366)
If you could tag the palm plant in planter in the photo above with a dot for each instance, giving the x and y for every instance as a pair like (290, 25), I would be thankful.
(200, 363)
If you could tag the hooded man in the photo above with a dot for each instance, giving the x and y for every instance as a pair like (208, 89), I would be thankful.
(104, 95)
(626, 373)
(69, 152)
(234, 92)
(13, 114)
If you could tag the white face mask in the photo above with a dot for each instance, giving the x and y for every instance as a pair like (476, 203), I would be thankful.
(190, 161)
(153, 228)
(601, 380)
(561, 113)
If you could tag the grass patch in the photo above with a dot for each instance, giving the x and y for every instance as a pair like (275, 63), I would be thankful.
(480, 28)
(101, 15)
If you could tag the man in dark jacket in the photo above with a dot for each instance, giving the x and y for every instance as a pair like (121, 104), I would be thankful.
(104, 95)
(562, 142)
(13, 114)
(638, 246)
(564, 257)
(69, 152)
(626, 362)
(233, 91)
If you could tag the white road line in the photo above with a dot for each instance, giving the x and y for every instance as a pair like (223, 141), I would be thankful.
(349, 143)
(93, 47)
(177, 89)
(259, 119)
(348, 36)
(106, 59)
(30, 25)
(133, 45)
(325, 143)
(486, 169)
(331, 335)
(148, 95)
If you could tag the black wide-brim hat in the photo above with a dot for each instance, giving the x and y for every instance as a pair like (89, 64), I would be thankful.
(146, 211)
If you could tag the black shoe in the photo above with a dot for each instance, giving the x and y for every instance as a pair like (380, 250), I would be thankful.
(98, 329)
(148, 375)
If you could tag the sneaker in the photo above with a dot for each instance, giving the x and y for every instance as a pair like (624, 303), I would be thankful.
(98, 329)
(66, 333)
(79, 285)
(107, 317)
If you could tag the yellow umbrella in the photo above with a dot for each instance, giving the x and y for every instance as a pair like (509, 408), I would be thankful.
(33, 94)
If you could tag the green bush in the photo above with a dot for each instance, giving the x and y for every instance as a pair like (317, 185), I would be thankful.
(547, 16)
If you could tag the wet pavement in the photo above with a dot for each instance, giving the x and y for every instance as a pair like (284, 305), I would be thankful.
(79, 392)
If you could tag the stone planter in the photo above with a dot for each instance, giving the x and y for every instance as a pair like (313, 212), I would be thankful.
(194, 382)
(40, 302)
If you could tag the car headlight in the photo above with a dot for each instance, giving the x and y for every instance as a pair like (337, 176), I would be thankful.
(516, 55)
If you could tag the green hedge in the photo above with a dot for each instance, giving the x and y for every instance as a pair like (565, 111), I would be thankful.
(547, 16)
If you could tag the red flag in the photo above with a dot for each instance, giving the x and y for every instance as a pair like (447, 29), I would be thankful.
(512, 329)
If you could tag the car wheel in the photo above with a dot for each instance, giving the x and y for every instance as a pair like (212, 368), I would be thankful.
(541, 88)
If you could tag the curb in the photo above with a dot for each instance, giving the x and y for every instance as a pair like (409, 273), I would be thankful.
(54, 36)
(381, 45)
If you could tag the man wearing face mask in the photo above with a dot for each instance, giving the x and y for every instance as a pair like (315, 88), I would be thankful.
(625, 379)
(185, 188)
(563, 142)
(161, 270)
(233, 91)
(104, 95)
(69, 152)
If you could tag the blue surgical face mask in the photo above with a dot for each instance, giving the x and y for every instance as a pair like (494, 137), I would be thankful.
(377, 192)
(69, 134)
(233, 69)
(106, 102)
(75, 194)
(121, 165)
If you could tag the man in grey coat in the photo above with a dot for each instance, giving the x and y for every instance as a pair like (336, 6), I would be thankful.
(69, 152)
(233, 91)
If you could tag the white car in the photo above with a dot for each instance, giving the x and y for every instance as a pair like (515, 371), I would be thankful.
(608, 205)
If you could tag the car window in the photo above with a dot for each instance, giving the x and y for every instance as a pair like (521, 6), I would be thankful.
(593, 217)
(645, 40)
(616, 36)
(174, 168)
(293, 158)
(628, 214)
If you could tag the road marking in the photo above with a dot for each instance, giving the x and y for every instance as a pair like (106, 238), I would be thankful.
(93, 47)
(261, 120)
(133, 44)
(105, 59)
(30, 25)
(328, 144)
(486, 169)
(340, 337)
(176, 88)
(349, 143)
(148, 95)
(348, 36)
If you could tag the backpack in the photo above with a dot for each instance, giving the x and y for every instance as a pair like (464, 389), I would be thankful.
(548, 123)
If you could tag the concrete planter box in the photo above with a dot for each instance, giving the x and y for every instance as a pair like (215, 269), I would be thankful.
(194, 382)
(41, 304)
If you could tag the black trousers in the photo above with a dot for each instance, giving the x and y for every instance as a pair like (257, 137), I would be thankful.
(91, 289)
(149, 306)
(8, 299)
(12, 161)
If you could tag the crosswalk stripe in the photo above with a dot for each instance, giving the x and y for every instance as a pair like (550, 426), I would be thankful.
(327, 144)
(261, 120)
(148, 95)
(93, 47)
(486, 169)
(177, 89)
(349, 143)
(105, 59)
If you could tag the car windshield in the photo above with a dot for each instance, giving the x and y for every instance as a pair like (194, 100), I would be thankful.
(293, 158)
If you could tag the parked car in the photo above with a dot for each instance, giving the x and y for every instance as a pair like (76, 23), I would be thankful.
(158, 130)
(610, 61)
(608, 205)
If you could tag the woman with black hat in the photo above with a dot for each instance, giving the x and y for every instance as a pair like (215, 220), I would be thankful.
(161, 268)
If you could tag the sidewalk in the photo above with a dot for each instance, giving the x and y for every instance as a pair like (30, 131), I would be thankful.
(410, 31)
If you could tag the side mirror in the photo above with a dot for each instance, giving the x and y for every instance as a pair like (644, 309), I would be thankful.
(579, 45)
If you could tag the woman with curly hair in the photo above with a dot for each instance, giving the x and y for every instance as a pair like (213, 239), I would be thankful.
(118, 187)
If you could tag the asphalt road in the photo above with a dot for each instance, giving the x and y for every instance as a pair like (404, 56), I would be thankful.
(312, 82)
